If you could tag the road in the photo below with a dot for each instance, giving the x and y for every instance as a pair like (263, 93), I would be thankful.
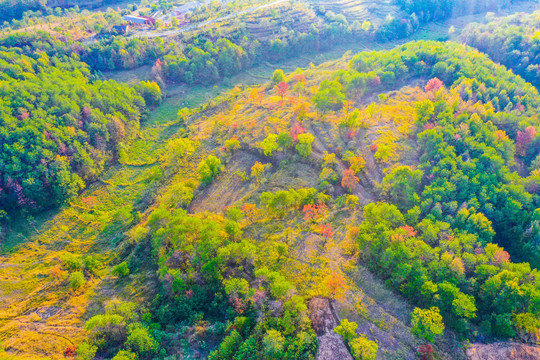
(149, 34)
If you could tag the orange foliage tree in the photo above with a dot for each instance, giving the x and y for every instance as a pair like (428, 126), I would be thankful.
(334, 286)
(349, 180)
(314, 211)
(256, 96)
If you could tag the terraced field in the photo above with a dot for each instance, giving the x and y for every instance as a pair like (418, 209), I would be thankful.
(298, 17)
(359, 10)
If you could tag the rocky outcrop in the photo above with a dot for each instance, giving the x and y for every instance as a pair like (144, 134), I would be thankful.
(331, 345)
(507, 351)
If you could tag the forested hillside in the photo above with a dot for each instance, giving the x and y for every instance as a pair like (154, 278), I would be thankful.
(448, 153)
(512, 41)
(59, 130)
(10, 9)
(282, 172)
(429, 10)
(14, 9)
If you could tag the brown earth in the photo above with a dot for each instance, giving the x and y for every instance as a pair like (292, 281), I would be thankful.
(331, 345)
(507, 351)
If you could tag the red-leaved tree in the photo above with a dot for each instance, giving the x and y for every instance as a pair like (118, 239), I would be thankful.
(425, 352)
(434, 85)
(282, 88)
(524, 139)
(297, 130)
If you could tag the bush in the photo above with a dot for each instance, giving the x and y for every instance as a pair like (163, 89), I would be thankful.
(364, 349)
(76, 280)
(209, 168)
(91, 264)
(85, 351)
(121, 270)
(71, 262)
(140, 340)
(125, 355)
(346, 329)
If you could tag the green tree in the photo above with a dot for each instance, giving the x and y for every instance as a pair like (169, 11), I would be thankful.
(236, 286)
(269, 144)
(330, 96)
(464, 306)
(363, 349)
(400, 186)
(347, 330)
(304, 144)
(285, 141)
(86, 351)
(278, 76)
(228, 347)
(424, 111)
(150, 92)
(209, 168)
(140, 340)
(248, 350)
(427, 323)
(273, 344)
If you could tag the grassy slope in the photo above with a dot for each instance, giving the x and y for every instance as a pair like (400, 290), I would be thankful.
(38, 314)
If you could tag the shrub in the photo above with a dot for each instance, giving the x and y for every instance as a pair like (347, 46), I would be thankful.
(71, 262)
(121, 270)
(346, 329)
(125, 355)
(140, 340)
(76, 280)
(209, 168)
(91, 264)
(85, 351)
(71, 351)
(363, 349)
